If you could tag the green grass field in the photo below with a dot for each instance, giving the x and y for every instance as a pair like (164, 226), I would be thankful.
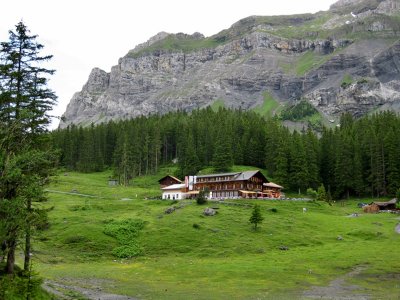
(221, 257)
(269, 107)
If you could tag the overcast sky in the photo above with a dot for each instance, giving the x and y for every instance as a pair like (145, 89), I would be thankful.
(85, 34)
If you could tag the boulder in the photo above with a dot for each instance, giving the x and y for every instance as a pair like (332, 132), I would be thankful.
(208, 211)
(169, 210)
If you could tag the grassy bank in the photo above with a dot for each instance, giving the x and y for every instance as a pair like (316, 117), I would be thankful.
(220, 257)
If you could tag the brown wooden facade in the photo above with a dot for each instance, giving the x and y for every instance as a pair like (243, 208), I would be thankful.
(168, 180)
(248, 184)
(272, 190)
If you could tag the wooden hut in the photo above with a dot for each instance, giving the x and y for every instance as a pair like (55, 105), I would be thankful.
(375, 207)
(371, 208)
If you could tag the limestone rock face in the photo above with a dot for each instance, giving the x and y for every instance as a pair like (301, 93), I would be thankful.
(240, 64)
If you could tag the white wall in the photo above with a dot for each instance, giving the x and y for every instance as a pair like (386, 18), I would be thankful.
(173, 195)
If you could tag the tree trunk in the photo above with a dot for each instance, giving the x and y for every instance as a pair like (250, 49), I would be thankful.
(11, 256)
(27, 258)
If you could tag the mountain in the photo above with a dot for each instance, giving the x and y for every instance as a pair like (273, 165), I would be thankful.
(343, 59)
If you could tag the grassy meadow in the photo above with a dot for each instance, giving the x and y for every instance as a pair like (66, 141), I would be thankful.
(185, 255)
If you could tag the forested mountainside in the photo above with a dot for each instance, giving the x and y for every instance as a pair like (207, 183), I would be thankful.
(346, 59)
(361, 157)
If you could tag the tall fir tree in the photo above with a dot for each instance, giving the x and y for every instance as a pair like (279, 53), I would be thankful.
(223, 158)
(25, 101)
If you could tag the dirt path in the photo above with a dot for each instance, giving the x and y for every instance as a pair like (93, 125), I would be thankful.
(69, 292)
(339, 289)
(73, 194)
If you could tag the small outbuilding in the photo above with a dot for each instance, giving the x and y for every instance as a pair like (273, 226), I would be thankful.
(375, 207)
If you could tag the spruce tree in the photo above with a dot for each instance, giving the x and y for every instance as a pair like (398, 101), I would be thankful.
(26, 160)
(222, 158)
(256, 216)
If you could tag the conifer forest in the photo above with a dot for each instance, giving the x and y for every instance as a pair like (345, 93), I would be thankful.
(358, 158)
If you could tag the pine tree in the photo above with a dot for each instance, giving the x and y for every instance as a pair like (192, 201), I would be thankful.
(298, 164)
(223, 158)
(26, 160)
(256, 216)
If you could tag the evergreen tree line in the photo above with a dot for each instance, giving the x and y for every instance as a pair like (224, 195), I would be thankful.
(361, 157)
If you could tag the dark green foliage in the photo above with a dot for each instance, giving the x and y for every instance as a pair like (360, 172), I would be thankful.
(196, 226)
(256, 216)
(358, 158)
(126, 232)
(25, 159)
(311, 193)
(321, 194)
(298, 111)
(21, 286)
(201, 197)
(223, 158)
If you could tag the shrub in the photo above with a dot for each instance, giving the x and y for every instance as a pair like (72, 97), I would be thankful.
(312, 193)
(127, 251)
(274, 210)
(321, 194)
(201, 198)
(75, 239)
(126, 233)
(196, 226)
(398, 194)
(21, 286)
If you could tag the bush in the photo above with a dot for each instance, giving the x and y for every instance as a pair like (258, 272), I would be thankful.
(274, 210)
(20, 286)
(321, 194)
(127, 251)
(201, 198)
(196, 226)
(312, 193)
(398, 194)
(126, 233)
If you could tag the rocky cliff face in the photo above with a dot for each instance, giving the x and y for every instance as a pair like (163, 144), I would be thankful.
(291, 57)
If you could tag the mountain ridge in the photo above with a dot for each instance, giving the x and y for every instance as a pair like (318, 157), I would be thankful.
(291, 57)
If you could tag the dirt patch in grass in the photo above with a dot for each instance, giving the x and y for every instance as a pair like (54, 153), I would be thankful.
(92, 290)
(339, 289)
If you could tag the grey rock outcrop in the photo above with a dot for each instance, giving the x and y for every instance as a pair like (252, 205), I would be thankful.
(242, 63)
(209, 211)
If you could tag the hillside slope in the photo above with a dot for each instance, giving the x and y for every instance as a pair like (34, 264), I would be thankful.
(185, 255)
(344, 59)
